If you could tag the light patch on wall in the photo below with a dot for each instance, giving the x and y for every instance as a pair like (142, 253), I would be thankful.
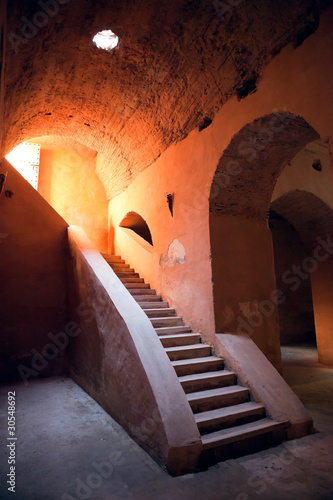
(106, 40)
(176, 255)
(249, 308)
(25, 159)
(228, 315)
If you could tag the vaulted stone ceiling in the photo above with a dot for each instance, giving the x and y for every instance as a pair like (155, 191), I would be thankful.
(309, 215)
(177, 63)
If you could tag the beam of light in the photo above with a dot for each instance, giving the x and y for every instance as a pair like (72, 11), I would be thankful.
(25, 159)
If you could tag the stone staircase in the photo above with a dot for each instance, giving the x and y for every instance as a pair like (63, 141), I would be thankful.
(230, 422)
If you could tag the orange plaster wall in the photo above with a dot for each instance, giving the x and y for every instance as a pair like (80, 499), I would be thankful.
(182, 285)
(298, 81)
(33, 274)
(67, 180)
(245, 299)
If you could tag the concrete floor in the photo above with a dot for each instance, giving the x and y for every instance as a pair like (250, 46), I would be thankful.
(62, 434)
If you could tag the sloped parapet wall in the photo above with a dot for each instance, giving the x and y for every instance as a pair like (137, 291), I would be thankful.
(267, 386)
(118, 359)
(33, 287)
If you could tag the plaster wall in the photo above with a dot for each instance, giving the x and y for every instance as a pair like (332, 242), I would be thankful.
(244, 285)
(67, 180)
(298, 81)
(183, 284)
(33, 273)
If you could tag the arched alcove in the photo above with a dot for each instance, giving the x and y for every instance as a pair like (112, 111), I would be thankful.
(138, 225)
(244, 288)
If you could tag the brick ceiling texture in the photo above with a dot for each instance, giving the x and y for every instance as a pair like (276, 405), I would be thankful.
(176, 64)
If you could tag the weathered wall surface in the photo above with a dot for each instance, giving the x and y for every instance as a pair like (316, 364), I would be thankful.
(185, 280)
(33, 274)
(297, 81)
(67, 180)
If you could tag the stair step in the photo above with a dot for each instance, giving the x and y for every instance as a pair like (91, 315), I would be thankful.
(137, 285)
(128, 270)
(167, 321)
(208, 380)
(120, 266)
(147, 305)
(228, 421)
(131, 280)
(172, 330)
(112, 257)
(161, 312)
(230, 416)
(199, 365)
(217, 398)
(187, 352)
(241, 432)
(181, 339)
(126, 274)
(144, 292)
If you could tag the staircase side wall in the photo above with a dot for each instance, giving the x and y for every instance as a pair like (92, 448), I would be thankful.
(33, 281)
(267, 386)
(117, 358)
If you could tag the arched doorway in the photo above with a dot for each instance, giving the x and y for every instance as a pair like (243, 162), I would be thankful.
(312, 220)
(296, 317)
(244, 288)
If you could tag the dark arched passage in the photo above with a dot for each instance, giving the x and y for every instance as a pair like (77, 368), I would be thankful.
(312, 221)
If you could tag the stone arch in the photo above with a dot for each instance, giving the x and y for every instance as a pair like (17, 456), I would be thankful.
(244, 288)
(249, 167)
(136, 223)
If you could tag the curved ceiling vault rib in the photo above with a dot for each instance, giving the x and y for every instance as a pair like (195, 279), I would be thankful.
(125, 103)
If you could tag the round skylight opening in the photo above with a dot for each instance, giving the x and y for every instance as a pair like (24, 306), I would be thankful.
(106, 40)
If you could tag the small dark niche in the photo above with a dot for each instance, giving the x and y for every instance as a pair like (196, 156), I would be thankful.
(205, 123)
(316, 165)
(136, 223)
(249, 87)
